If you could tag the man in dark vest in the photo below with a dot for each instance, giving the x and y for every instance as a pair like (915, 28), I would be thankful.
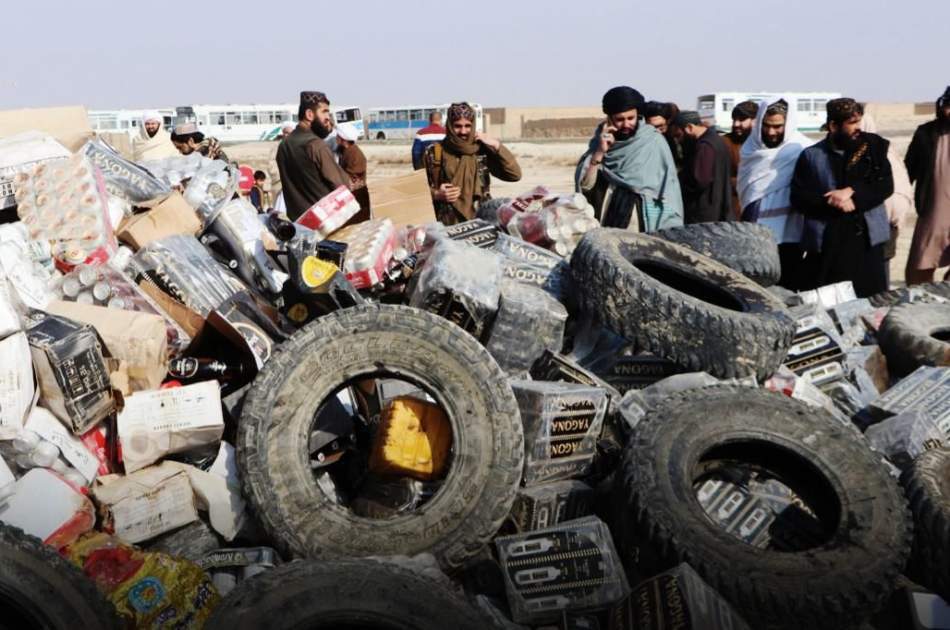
(707, 189)
(308, 170)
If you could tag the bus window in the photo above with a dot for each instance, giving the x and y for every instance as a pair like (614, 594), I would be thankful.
(249, 118)
(804, 105)
(402, 114)
(417, 114)
(727, 104)
(820, 104)
(217, 118)
(233, 118)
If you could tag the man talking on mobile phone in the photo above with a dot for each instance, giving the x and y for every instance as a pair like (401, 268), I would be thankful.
(459, 168)
(628, 173)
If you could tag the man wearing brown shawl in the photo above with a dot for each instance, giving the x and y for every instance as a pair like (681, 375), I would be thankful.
(743, 115)
(459, 167)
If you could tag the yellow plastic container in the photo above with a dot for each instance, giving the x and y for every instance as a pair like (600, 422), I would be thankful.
(413, 439)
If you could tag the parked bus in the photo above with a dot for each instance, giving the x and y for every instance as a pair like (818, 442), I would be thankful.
(124, 120)
(383, 123)
(716, 109)
(247, 123)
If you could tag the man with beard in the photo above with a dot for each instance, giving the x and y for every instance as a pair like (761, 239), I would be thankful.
(707, 194)
(840, 184)
(743, 115)
(766, 165)
(459, 168)
(308, 170)
(628, 173)
(928, 164)
(153, 143)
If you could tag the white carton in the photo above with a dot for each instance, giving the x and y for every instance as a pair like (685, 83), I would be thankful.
(17, 390)
(46, 506)
(6, 480)
(45, 424)
(147, 503)
(157, 423)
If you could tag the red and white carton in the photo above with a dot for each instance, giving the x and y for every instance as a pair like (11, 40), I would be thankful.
(47, 506)
(330, 213)
(371, 245)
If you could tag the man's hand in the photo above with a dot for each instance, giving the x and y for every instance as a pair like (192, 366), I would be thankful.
(492, 143)
(447, 192)
(841, 199)
(607, 139)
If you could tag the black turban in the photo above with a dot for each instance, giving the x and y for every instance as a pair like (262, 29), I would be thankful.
(945, 99)
(687, 118)
(622, 99)
(745, 110)
(841, 110)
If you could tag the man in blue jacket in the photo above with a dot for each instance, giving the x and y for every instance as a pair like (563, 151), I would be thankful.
(431, 134)
(840, 185)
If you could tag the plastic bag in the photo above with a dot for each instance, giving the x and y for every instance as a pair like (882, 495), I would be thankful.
(148, 589)
(124, 178)
(238, 225)
(524, 308)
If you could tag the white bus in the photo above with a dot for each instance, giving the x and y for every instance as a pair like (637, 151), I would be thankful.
(248, 123)
(383, 123)
(125, 120)
(716, 109)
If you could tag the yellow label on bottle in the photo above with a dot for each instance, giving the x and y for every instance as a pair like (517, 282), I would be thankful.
(315, 272)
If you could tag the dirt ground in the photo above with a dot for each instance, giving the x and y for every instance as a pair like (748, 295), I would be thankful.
(551, 164)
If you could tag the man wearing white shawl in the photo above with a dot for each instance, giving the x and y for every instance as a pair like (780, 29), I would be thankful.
(766, 166)
(153, 143)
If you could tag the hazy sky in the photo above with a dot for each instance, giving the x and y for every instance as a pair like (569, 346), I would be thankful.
(115, 53)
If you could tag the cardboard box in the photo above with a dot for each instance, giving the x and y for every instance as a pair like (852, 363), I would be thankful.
(73, 379)
(134, 337)
(47, 506)
(157, 423)
(171, 216)
(17, 391)
(68, 125)
(147, 503)
(405, 200)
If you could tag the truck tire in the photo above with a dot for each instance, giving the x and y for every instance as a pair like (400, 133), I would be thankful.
(680, 305)
(913, 335)
(397, 341)
(847, 570)
(41, 589)
(344, 594)
(896, 296)
(927, 486)
(748, 248)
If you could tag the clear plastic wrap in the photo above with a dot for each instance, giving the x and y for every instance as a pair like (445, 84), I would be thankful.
(903, 437)
(524, 308)
(926, 390)
(677, 598)
(370, 247)
(572, 566)
(65, 203)
(238, 225)
(123, 178)
(562, 423)
(522, 251)
(830, 294)
(210, 188)
(556, 367)
(461, 283)
(849, 318)
(477, 232)
(551, 504)
(784, 381)
(181, 267)
(330, 213)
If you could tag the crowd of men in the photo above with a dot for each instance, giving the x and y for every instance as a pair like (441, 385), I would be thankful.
(833, 206)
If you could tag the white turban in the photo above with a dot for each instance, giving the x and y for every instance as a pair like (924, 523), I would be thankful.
(289, 124)
(152, 115)
(347, 131)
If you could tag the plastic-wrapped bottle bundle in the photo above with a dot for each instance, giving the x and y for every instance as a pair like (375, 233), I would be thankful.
(529, 320)
(211, 186)
(180, 266)
(29, 450)
(566, 220)
(65, 203)
(461, 283)
(239, 226)
(330, 213)
(371, 245)
(562, 423)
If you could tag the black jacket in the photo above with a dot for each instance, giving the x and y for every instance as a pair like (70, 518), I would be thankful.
(707, 190)
(920, 164)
